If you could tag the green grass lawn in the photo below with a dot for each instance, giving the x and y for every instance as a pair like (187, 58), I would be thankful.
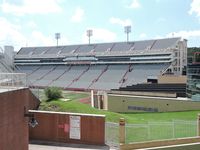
(77, 107)
(66, 94)
(140, 128)
(73, 105)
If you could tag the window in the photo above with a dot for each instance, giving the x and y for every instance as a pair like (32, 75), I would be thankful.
(196, 58)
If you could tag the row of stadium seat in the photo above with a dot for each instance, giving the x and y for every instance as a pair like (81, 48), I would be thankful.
(100, 48)
(102, 77)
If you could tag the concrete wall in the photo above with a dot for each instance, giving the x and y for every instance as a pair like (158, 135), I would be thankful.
(13, 124)
(172, 79)
(127, 103)
(55, 126)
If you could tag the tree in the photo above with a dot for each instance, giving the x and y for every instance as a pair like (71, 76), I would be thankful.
(53, 93)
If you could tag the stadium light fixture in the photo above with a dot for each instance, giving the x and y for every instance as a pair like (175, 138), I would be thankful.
(89, 34)
(127, 30)
(57, 37)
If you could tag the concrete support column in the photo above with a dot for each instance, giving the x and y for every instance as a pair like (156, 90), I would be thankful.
(92, 98)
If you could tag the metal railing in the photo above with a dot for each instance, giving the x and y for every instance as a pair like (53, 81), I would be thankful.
(160, 130)
(112, 134)
(118, 134)
(13, 79)
(16, 80)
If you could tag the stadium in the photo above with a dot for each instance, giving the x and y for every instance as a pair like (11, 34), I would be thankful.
(102, 66)
(123, 77)
(102, 75)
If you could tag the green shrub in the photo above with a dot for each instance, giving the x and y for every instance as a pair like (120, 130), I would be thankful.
(53, 93)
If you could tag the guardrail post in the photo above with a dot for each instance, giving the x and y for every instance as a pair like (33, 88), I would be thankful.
(122, 131)
(198, 125)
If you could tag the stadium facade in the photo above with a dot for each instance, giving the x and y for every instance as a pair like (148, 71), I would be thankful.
(193, 74)
(102, 66)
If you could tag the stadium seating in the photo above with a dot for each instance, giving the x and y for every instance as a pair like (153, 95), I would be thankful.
(51, 76)
(27, 69)
(90, 77)
(178, 88)
(141, 72)
(102, 47)
(3, 68)
(70, 76)
(103, 66)
(39, 73)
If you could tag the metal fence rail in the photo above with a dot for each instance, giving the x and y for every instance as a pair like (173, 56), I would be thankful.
(112, 134)
(13, 79)
(160, 130)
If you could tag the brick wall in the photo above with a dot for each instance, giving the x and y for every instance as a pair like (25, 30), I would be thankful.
(13, 125)
(55, 126)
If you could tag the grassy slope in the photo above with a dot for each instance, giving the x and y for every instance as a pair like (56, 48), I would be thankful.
(75, 106)
(133, 134)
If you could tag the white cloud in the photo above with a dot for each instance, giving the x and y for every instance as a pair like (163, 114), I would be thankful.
(78, 15)
(193, 36)
(195, 7)
(134, 4)
(12, 34)
(185, 34)
(32, 24)
(37, 39)
(100, 35)
(32, 7)
(119, 21)
(142, 35)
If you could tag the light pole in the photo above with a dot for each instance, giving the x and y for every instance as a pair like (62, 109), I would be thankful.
(89, 34)
(57, 37)
(127, 30)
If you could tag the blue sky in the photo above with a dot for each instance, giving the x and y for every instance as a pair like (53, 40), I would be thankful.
(34, 22)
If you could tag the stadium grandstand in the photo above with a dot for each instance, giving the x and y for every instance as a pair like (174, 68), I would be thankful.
(6, 59)
(102, 66)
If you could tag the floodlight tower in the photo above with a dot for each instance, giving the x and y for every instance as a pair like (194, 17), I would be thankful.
(89, 34)
(127, 30)
(57, 37)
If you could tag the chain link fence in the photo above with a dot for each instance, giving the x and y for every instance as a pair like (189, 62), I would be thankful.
(151, 131)
(112, 134)
(13, 80)
(160, 130)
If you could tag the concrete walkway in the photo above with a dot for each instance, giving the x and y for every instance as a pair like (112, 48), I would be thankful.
(66, 147)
